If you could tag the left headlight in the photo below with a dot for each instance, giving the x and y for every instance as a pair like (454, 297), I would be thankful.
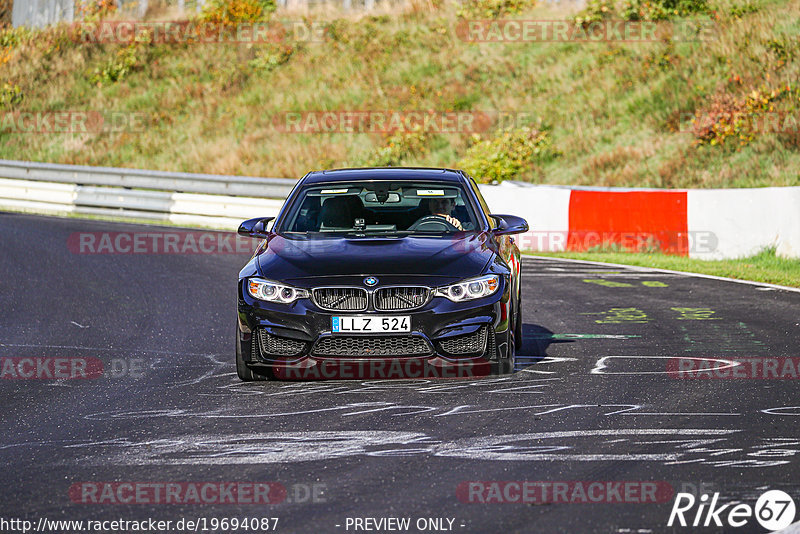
(274, 292)
(472, 288)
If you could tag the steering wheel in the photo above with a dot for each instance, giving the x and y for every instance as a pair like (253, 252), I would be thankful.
(433, 223)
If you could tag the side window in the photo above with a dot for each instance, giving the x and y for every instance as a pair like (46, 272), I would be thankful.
(481, 201)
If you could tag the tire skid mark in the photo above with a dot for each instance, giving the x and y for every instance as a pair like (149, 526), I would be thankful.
(662, 445)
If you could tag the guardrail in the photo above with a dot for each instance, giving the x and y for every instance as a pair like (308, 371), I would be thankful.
(706, 224)
(216, 201)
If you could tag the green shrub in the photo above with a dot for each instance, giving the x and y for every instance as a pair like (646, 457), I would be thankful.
(119, 66)
(11, 37)
(339, 31)
(738, 11)
(662, 9)
(661, 59)
(93, 10)
(651, 10)
(234, 11)
(507, 155)
(596, 11)
(10, 95)
(743, 119)
(271, 57)
(398, 149)
(784, 49)
(492, 9)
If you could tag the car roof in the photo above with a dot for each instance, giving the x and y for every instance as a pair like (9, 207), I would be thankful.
(383, 173)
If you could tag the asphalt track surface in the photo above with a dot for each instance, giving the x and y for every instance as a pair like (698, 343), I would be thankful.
(591, 399)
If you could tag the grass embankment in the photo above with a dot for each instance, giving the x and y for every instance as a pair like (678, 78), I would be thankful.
(763, 267)
(607, 113)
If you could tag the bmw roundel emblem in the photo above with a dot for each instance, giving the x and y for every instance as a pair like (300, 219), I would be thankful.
(370, 281)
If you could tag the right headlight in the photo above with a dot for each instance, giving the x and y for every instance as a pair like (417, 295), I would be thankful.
(274, 292)
(470, 289)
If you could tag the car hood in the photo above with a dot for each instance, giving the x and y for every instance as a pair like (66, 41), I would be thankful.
(445, 258)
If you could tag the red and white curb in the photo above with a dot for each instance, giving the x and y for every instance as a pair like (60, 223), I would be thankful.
(699, 223)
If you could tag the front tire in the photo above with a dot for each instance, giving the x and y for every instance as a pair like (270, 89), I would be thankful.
(505, 366)
(518, 324)
(242, 370)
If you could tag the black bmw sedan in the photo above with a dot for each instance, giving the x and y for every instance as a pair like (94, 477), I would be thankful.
(380, 273)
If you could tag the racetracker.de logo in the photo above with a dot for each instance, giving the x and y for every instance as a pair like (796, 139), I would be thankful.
(177, 242)
(177, 493)
(386, 369)
(187, 32)
(563, 492)
(702, 242)
(49, 368)
(758, 368)
(356, 121)
(76, 122)
(625, 31)
(763, 122)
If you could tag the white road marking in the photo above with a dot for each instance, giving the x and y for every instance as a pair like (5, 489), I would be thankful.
(667, 271)
(573, 274)
(794, 528)
(601, 365)
(794, 411)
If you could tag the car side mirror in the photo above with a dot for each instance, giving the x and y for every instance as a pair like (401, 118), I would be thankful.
(255, 227)
(509, 224)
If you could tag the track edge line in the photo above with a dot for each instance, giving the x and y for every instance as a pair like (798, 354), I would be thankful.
(687, 273)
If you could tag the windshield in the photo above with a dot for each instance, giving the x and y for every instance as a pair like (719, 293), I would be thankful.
(382, 207)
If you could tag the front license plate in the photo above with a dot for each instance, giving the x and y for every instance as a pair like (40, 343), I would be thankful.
(363, 324)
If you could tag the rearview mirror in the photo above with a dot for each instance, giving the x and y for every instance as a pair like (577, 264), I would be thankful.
(255, 227)
(509, 224)
(388, 197)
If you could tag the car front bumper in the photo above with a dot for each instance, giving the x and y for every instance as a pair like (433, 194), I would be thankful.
(478, 329)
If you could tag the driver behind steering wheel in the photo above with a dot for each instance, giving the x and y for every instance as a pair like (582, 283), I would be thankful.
(443, 207)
